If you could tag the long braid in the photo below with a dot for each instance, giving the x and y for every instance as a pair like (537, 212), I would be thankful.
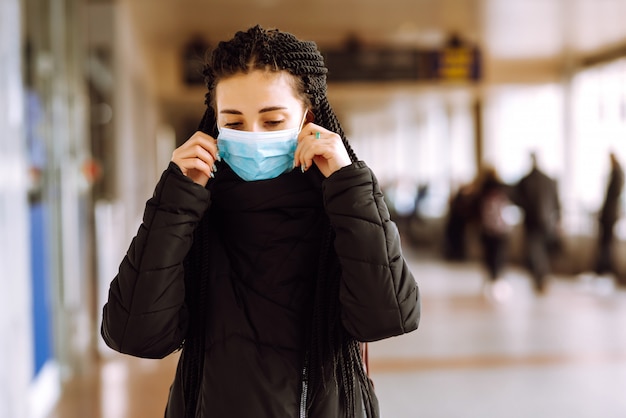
(334, 356)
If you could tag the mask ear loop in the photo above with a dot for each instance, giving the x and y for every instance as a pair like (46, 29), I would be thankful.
(306, 110)
(303, 120)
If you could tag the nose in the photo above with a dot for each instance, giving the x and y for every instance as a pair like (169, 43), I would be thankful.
(256, 127)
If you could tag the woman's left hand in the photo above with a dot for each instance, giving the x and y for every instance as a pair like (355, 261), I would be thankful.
(319, 145)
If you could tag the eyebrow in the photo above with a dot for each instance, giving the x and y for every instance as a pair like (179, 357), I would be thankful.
(264, 110)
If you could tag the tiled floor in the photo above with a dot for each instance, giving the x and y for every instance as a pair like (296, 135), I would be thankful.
(559, 355)
(518, 355)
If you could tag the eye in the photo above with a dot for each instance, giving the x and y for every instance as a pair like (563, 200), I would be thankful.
(233, 125)
(274, 123)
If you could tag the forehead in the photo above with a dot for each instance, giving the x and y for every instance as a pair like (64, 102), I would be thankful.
(249, 92)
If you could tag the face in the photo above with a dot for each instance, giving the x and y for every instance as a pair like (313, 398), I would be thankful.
(258, 101)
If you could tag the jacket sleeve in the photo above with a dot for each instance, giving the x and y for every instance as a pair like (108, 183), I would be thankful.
(378, 293)
(145, 314)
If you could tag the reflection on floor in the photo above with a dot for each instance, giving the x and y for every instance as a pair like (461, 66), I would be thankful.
(516, 355)
(122, 387)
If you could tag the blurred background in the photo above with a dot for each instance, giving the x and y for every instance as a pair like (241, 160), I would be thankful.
(96, 94)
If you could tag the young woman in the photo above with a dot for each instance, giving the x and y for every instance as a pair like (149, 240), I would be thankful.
(266, 252)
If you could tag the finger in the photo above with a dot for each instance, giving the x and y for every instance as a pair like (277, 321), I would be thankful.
(321, 147)
(189, 167)
(307, 149)
(309, 132)
(206, 141)
(196, 157)
(197, 146)
(311, 129)
(195, 151)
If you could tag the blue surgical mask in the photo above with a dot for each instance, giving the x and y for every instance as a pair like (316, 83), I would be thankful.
(258, 155)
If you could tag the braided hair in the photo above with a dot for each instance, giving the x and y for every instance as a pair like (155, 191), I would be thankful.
(273, 50)
(333, 358)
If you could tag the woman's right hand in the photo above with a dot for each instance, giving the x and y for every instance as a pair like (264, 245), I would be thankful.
(196, 157)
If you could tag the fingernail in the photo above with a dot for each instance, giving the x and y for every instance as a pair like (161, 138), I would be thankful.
(303, 168)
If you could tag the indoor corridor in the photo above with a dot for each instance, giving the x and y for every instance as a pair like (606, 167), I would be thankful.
(476, 354)
(96, 95)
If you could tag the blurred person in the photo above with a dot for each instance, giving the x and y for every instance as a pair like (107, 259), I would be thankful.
(491, 202)
(609, 215)
(421, 194)
(457, 220)
(267, 277)
(537, 195)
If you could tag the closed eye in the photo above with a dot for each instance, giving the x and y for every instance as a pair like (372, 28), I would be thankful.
(274, 123)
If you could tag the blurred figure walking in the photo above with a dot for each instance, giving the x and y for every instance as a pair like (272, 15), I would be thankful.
(537, 195)
(609, 215)
(492, 200)
(457, 220)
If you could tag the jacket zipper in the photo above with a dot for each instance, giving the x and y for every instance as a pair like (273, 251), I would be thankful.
(305, 385)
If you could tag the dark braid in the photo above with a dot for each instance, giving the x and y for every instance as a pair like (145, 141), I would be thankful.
(334, 356)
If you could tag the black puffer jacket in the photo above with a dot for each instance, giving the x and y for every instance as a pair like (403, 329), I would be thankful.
(260, 295)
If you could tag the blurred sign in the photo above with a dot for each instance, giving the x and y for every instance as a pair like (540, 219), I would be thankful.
(193, 61)
(456, 61)
(459, 61)
(381, 64)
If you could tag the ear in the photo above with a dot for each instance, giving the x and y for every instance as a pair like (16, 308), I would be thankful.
(310, 117)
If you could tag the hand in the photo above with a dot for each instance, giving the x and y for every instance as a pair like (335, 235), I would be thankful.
(319, 145)
(196, 157)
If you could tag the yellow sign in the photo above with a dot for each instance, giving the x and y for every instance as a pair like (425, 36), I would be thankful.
(457, 63)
